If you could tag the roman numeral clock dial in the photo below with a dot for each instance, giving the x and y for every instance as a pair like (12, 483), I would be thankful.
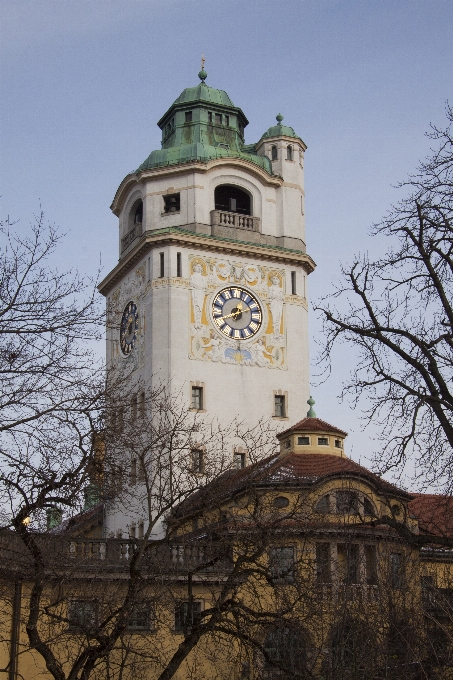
(128, 328)
(237, 313)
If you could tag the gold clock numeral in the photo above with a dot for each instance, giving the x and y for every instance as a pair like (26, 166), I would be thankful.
(236, 293)
(253, 326)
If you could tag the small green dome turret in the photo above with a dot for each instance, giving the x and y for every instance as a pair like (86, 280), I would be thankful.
(280, 130)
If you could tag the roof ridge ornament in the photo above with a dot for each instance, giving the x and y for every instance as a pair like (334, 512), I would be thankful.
(311, 402)
(202, 74)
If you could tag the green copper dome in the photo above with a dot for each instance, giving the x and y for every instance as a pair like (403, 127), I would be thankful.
(204, 93)
(280, 130)
(203, 124)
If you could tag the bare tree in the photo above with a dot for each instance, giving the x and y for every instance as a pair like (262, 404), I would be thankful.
(396, 312)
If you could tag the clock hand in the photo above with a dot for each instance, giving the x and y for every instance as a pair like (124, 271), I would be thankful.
(239, 310)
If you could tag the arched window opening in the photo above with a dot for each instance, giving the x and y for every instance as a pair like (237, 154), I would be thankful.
(274, 154)
(138, 215)
(323, 505)
(285, 654)
(289, 153)
(232, 199)
(135, 215)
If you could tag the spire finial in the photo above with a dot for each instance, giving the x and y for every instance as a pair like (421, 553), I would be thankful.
(279, 118)
(311, 402)
(202, 74)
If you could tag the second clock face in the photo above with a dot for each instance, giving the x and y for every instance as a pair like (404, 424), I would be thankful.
(128, 328)
(237, 313)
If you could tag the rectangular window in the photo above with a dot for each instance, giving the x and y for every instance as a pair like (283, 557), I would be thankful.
(323, 570)
(197, 398)
(141, 405)
(141, 616)
(133, 478)
(148, 270)
(186, 615)
(162, 265)
(293, 283)
(348, 563)
(188, 117)
(281, 563)
(218, 119)
(82, 615)
(209, 116)
(172, 203)
(134, 408)
(396, 570)
(323, 441)
(279, 406)
(197, 461)
(303, 441)
(338, 444)
(239, 460)
(178, 264)
(370, 565)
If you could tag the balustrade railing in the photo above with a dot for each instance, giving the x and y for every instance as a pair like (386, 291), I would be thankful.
(135, 232)
(236, 220)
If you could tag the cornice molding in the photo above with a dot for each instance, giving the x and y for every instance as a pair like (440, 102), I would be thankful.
(188, 239)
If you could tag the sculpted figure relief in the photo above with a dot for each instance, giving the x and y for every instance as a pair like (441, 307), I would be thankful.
(276, 304)
(259, 350)
(199, 284)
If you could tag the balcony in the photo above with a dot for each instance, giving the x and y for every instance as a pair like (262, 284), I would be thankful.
(235, 220)
(135, 232)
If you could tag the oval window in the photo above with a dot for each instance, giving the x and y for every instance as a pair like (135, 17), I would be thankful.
(281, 502)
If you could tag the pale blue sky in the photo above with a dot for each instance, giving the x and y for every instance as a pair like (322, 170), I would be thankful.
(85, 81)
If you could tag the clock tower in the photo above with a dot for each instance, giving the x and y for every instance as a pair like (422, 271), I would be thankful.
(209, 294)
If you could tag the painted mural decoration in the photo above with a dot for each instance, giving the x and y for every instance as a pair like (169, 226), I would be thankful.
(265, 284)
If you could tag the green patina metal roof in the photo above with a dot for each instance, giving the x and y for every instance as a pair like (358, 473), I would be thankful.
(280, 130)
(204, 93)
(203, 124)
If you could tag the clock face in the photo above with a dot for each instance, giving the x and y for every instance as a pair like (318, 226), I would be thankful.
(237, 313)
(128, 328)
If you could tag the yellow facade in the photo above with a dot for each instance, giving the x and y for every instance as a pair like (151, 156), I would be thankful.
(285, 568)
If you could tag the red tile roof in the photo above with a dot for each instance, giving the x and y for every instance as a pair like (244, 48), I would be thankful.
(313, 425)
(293, 469)
(434, 513)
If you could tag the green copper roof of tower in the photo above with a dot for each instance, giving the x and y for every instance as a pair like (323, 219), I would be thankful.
(203, 124)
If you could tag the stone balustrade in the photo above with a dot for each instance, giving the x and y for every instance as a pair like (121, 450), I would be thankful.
(86, 553)
(235, 220)
(135, 232)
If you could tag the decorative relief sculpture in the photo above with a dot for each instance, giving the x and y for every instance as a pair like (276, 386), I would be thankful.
(198, 283)
(276, 305)
(206, 344)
